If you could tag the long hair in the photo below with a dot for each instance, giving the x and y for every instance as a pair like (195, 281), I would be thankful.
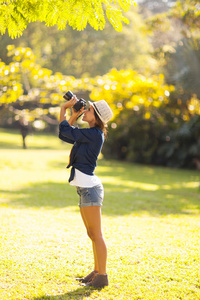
(99, 124)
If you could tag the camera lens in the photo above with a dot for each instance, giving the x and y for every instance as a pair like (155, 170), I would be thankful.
(68, 95)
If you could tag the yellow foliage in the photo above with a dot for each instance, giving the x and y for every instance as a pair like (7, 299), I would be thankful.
(132, 90)
(44, 100)
(147, 115)
(194, 105)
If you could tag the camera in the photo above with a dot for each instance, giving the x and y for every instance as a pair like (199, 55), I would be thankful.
(79, 104)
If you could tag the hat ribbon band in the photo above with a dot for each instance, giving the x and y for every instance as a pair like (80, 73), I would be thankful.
(96, 109)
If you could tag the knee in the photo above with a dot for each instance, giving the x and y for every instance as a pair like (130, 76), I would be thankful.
(94, 235)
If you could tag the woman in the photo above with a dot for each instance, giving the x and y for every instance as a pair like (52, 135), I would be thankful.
(87, 144)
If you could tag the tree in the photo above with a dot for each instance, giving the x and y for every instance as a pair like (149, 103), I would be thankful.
(135, 100)
(89, 52)
(27, 88)
(175, 38)
(15, 15)
(150, 126)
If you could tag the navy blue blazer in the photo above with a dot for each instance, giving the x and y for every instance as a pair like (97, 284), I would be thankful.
(87, 144)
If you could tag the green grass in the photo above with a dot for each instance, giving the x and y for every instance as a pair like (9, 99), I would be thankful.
(150, 220)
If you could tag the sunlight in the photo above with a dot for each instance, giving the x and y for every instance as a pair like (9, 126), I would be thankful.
(132, 184)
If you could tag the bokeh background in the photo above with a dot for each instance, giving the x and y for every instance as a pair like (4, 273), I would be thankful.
(148, 72)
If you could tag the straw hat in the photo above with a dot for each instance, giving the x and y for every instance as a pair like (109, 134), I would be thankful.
(103, 110)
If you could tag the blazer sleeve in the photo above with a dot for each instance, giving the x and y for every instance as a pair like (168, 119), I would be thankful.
(65, 139)
(73, 134)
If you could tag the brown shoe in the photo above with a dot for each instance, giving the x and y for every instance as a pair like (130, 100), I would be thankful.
(99, 281)
(88, 278)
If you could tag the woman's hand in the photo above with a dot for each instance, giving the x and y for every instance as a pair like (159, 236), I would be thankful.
(66, 105)
(75, 115)
(70, 103)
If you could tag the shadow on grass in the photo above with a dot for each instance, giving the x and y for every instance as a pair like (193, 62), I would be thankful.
(77, 294)
(129, 189)
(43, 194)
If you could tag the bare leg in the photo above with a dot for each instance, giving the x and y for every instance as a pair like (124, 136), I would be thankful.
(92, 219)
(96, 267)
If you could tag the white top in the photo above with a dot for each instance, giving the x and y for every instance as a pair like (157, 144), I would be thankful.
(83, 180)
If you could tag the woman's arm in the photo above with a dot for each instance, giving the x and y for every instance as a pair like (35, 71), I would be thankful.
(66, 105)
(74, 116)
(69, 133)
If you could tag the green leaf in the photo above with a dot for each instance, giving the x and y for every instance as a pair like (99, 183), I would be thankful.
(15, 15)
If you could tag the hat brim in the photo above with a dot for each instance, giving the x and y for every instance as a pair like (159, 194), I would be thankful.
(96, 110)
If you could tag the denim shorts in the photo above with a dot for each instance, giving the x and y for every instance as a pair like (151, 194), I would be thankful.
(92, 196)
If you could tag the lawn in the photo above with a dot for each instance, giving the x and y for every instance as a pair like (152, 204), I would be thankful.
(150, 220)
